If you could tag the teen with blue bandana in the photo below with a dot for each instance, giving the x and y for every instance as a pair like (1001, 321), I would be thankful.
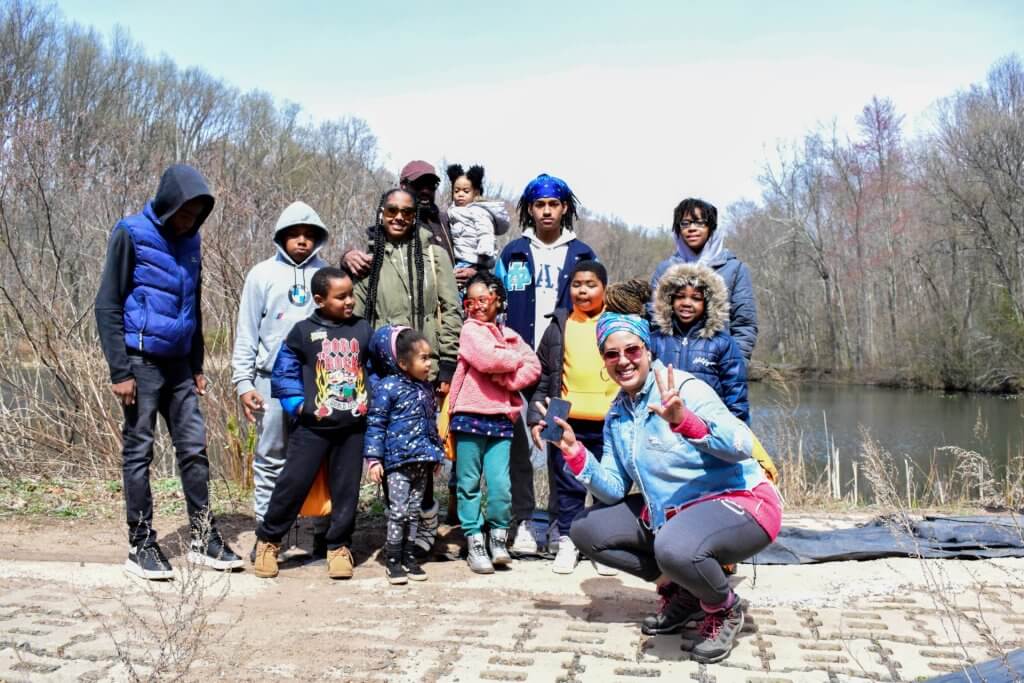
(535, 270)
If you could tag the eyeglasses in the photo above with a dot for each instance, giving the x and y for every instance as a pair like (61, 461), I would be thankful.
(408, 213)
(697, 224)
(479, 302)
(633, 352)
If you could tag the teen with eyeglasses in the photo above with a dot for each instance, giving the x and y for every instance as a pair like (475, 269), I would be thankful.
(698, 240)
(411, 283)
(701, 500)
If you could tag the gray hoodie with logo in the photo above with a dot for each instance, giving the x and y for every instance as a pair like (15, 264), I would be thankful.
(276, 295)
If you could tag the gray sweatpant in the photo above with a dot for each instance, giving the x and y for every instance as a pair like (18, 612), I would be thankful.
(689, 549)
(271, 447)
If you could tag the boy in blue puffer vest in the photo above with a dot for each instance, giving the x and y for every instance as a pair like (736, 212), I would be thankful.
(691, 317)
(150, 327)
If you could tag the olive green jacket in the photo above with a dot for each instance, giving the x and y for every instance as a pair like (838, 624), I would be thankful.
(442, 318)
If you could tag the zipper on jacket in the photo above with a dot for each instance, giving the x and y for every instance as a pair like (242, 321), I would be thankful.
(145, 319)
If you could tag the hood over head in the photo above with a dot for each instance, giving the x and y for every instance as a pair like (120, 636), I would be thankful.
(698, 276)
(179, 184)
(382, 350)
(300, 213)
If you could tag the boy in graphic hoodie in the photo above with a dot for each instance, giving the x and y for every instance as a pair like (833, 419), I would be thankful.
(535, 270)
(275, 296)
(151, 330)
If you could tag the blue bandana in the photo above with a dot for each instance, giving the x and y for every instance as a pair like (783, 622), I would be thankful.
(609, 323)
(547, 186)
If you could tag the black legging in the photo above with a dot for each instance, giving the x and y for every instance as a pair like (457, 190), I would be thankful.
(689, 549)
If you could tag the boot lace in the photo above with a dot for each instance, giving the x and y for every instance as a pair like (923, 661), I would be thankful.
(711, 626)
(665, 595)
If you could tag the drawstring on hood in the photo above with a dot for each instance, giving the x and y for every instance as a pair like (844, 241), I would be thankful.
(698, 276)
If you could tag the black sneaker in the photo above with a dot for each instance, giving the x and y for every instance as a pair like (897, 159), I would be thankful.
(718, 632)
(216, 553)
(412, 566)
(148, 561)
(678, 606)
(395, 571)
(320, 546)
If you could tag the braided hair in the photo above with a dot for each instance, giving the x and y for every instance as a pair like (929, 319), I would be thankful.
(494, 286)
(414, 262)
(629, 297)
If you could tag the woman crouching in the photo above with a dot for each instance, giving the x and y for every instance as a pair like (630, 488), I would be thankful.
(703, 500)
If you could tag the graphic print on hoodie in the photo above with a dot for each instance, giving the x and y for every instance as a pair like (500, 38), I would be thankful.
(321, 366)
(275, 297)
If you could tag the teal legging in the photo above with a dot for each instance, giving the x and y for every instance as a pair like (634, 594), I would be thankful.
(487, 455)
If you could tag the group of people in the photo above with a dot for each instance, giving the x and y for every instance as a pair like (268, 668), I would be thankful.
(426, 342)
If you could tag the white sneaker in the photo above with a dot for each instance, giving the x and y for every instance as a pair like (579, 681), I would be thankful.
(567, 557)
(604, 570)
(525, 543)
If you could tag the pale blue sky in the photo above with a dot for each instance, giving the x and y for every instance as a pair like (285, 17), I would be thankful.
(635, 104)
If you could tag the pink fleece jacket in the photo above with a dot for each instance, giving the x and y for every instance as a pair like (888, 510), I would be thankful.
(494, 365)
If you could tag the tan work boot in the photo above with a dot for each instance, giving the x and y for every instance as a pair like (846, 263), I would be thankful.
(265, 565)
(339, 563)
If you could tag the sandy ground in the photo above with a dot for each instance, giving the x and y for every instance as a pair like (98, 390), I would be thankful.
(68, 612)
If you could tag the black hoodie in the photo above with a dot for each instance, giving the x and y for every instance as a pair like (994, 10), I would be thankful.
(179, 184)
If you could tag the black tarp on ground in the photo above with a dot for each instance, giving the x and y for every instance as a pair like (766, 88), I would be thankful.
(1010, 670)
(967, 537)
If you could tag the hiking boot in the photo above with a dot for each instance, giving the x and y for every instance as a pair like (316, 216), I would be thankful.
(320, 545)
(567, 557)
(147, 561)
(412, 566)
(524, 543)
(677, 607)
(476, 556)
(339, 563)
(718, 632)
(265, 566)
(426, 532)
(499, 548)
(395, 571)
(215, 552)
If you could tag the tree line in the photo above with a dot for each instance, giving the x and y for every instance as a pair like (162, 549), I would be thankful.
(902, 257)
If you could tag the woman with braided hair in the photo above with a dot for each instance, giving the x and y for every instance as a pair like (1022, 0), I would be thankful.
(412, 283)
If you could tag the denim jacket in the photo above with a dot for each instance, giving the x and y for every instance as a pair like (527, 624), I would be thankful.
(669, 469)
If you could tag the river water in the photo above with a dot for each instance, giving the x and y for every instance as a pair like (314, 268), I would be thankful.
(907, 423)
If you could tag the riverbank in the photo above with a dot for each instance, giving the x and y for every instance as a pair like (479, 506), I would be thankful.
(68, 612)
(892, 378)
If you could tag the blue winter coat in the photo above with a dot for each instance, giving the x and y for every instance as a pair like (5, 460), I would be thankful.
(742, 306)
(401, 426)
(516, 270)
(705, 349)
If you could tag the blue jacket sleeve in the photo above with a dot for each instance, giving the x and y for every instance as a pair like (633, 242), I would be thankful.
(286, 379)
(728, 438)
(377, 419)
(743, 312)
(607, 479)
(732, 373)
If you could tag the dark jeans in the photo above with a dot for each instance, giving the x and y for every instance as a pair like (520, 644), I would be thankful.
(571, 496)
(520, 471)
(689, 549)
(307, 448)
(164, 387)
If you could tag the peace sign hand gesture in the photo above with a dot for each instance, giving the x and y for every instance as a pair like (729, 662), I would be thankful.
(672, 408)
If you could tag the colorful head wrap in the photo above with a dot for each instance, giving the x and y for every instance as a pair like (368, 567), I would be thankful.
(609, 323)
(547, 186)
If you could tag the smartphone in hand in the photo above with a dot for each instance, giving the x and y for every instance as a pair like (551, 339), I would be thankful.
(557, 407)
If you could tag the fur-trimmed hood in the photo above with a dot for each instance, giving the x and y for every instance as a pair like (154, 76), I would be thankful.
(716, 298)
